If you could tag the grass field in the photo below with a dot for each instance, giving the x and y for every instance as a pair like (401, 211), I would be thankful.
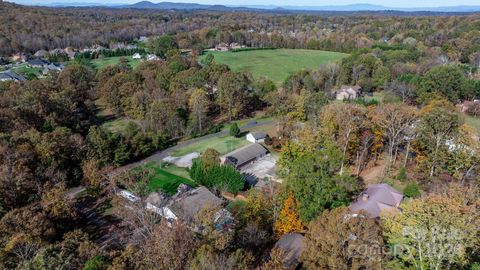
(474, 122)
(107, 61)
(26, 71)
(166, 181)
(224, 145)
(275, 65)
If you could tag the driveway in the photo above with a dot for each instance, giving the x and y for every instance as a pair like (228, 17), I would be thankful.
(160, 155)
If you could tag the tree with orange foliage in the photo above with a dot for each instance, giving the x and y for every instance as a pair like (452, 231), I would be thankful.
(288, 220)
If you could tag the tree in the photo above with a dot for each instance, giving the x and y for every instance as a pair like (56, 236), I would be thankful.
(342, 123)
(438, 126)
(288, 220)
(171, 246)
(434, 232)
(222, 177)
(161, 45)
(210, 158)
(448, 80)
(395, 120)
(412, 190)
(340, 240)
(198, 104)
(314, 180)
(234, 130)
(232, 94)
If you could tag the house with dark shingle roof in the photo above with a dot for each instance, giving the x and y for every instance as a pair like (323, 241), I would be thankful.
(37, 63)
(376, 199)
(11, 76)
(187, 204)
(245, 155)
(292, 246)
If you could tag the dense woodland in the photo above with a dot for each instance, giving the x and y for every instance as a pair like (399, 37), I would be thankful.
(51, 140)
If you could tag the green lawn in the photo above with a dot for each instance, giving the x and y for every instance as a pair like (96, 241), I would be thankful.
(107, 61)
(277, 64)
(224, 145)
(166, 181)
(26, 71)
(474, 122)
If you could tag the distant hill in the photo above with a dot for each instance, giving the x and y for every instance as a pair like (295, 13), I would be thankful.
(360, 7)
(353, 7)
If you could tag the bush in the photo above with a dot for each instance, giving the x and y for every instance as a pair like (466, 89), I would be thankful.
(96, 263)
(234, 130)
(412, 190)
(402, 174)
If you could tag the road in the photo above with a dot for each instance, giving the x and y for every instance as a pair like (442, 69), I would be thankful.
(160, 155)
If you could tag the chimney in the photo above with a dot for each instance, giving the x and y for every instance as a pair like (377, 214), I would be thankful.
(365, 197)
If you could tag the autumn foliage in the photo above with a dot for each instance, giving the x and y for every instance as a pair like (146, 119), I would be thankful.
(288, 220)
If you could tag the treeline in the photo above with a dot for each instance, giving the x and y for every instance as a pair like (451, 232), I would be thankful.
(455, 37)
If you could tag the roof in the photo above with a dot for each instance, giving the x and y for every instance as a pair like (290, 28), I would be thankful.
(258, 135)
(188, 204)
(292, 244)
(246, 153)
(10, 75)
(37, 62)
(377, 198)
(351, 89)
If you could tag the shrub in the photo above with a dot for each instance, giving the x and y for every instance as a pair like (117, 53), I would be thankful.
(234, 130)
(402, 174)
(412, 190)
(96, 263)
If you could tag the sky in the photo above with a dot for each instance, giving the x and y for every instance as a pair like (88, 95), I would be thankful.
(389, 3)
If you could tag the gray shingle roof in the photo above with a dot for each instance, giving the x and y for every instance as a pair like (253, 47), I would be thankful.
(259, 135)
(377, 198)
(292, 245)
(187, 205)
(245, 154)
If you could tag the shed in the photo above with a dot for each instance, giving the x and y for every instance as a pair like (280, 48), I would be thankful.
(256, 137)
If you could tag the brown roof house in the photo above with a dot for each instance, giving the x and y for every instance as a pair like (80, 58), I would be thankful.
(347, 92)
(245, 155)
(292, 246)
(376, 199)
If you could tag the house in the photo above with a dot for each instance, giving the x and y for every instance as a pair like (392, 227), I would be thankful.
(136, 56)
(20, 57)
(292, 246)
(143, 39)
(377, 198)
(52, 67)
(187, 204)
(11, 76)
(235, 45)
(256, 137)
(245, 155)
(57, 51)
(72, 55)
(152, 57)
(38, 63)
(41, 54)
(348, 92)
(222, 47)
(465, 106)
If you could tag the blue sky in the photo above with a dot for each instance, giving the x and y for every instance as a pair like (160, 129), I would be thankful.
(390, 3)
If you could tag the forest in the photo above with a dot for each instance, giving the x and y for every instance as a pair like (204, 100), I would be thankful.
(59, 162)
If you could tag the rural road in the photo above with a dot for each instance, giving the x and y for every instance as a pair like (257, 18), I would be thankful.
(160, 155)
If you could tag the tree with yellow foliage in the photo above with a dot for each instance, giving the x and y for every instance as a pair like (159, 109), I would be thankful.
(288, 220)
